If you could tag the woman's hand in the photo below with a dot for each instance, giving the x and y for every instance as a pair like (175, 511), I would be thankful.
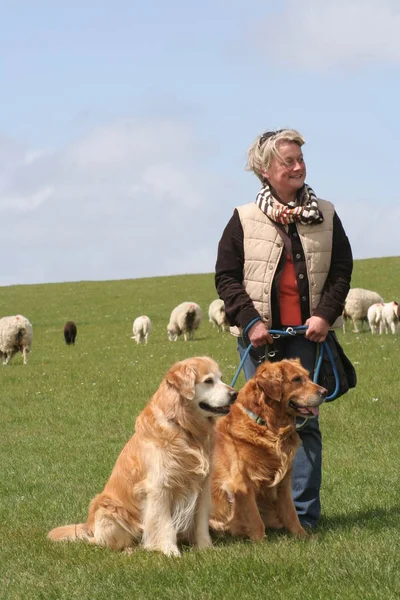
(317, 329)
(259, 335)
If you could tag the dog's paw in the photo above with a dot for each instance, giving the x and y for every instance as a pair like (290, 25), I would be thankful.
(217, 525)
(171, 551)
(204, 542)
(167, 549)
(301, 534)
(256, 536)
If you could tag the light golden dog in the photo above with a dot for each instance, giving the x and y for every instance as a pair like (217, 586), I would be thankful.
(251, 485)
(158, 492)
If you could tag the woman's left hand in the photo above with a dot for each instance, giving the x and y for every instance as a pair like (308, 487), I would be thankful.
(317, 329)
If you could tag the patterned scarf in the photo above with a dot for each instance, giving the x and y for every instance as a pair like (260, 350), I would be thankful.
(303, 210)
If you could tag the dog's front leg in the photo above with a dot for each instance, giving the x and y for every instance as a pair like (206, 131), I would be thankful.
(246, 519)
(286, 509)
(202, 534)
(158, 530)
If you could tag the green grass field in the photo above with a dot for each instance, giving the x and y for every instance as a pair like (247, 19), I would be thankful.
(67, 414)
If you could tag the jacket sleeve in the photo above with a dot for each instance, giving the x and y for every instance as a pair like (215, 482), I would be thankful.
(239, 307)
(337, 283)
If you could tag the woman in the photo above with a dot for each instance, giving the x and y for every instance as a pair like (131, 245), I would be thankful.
(284, 261)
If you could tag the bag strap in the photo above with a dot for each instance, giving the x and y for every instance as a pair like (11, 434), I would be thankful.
(285, 237)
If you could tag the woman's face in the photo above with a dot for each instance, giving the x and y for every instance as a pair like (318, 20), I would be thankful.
(287, 173)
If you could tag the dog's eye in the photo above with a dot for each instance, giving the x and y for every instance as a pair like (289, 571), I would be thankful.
(297, 379)
(209, 380)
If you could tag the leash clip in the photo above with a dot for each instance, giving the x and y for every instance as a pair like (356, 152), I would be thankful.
(290, 331)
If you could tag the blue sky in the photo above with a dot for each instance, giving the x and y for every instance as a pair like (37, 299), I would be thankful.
(124, 126)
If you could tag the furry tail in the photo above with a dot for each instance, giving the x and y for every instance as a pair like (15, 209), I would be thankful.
(71, 533)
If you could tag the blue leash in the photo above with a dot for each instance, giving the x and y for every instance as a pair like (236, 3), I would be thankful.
(294, 331)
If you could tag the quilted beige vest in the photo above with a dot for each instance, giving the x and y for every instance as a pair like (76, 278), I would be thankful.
(263, 247)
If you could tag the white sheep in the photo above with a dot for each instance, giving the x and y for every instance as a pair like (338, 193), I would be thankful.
(16, 335)
(185, 318)
(390, 317)
(216, 314)
(141, 329)
(374, 315)
(357, 304)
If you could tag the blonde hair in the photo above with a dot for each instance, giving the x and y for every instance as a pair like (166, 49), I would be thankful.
(266, 147)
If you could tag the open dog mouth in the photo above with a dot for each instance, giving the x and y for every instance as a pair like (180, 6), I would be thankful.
(218, 410)
(307, 411)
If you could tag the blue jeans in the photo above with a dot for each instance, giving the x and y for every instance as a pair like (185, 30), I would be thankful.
(307, 466)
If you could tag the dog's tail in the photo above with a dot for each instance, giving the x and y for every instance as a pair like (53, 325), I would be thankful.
(71, 533)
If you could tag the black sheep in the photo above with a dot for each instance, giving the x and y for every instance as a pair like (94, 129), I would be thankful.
(70, 332)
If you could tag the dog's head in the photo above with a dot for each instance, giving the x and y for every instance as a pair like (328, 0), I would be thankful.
(198, 380)
(289, 384)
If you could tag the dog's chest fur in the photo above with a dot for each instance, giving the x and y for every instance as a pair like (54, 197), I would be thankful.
(182, 472)
(268, 461)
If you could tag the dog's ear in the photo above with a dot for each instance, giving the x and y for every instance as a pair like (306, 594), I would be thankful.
(269, 379)
(183, 378)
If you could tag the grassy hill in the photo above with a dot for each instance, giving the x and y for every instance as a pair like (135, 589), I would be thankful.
(67, 414)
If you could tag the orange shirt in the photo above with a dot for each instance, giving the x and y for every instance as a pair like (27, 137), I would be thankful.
(289, 301)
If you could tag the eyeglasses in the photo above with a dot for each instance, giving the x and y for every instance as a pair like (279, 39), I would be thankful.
(268, 134)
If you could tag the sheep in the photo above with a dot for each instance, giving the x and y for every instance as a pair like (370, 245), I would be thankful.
(141, 329)
(374, 316)
(390, 316)
(70, 332)
(357, 304)
(16, 335)
(216, 314)
(185, 318)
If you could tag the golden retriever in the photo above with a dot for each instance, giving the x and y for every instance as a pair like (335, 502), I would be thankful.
(251, 486)
(159, 492)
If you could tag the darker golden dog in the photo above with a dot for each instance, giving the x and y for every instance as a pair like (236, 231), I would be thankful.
(256, 443)
(159, 490)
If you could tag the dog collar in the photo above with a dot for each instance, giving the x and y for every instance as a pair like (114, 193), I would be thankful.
(255, 417)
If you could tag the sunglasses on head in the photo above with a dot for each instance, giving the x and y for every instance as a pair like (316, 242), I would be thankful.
(268, 134)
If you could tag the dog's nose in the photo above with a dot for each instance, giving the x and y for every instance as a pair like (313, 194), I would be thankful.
(323, 392)
(232, 397)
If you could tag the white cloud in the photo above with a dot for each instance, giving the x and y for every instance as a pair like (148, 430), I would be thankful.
(122, 161)
(318, 34)
(129, 199)
(147, 201)
(131, 143)
(26, 202)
